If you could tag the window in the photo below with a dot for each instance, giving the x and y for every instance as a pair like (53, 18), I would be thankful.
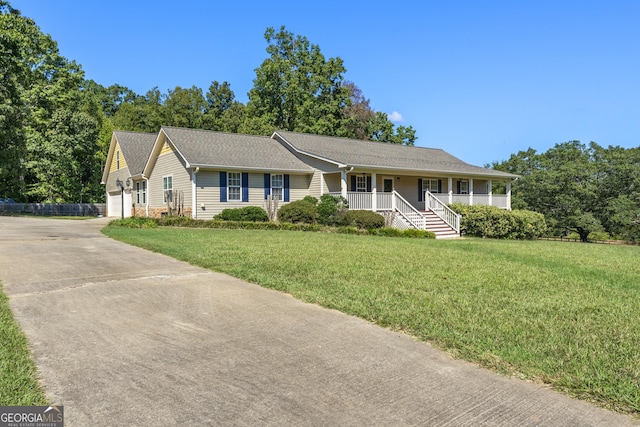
(464, 187)
(144, 192)
(167, 188)
(137, 193)
(118, 160)
(234, 185)
(361, 183)
(276, 186)
(430, 185)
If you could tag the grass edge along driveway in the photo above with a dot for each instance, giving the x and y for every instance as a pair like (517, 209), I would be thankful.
(561, 314)
(19, 384)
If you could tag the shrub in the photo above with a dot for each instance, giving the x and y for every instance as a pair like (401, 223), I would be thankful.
(247, 213)
(332, 210)
(365, 219)
(135, 222)
(300, 211)
(493, 222)
(311, 200)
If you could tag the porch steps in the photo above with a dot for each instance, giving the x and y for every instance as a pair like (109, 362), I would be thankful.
(436, 225)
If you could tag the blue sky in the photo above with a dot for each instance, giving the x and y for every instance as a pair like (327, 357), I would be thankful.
(480, 79)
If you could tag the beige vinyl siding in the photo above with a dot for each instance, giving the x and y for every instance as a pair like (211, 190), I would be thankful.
(332, 183)
(169, 164)
(122, 174)
(208, 192)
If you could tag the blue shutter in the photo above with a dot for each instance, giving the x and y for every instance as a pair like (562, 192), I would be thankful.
(368, 184)
(286, 188)
(458, 185)
(267, 185)
(353, 183)
(439, 186)
(223, 186)
(420, 192)
(245, 187)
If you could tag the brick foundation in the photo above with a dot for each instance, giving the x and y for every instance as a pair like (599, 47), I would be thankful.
(139, 211)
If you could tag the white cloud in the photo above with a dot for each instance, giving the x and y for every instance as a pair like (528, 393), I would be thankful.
(395, 117)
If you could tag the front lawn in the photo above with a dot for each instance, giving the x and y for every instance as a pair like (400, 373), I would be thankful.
(563, 314)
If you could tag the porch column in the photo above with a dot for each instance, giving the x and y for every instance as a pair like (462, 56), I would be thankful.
(343, 183)
(470, 191)
(450, 187)
(490, 191)
(374, 196)
(321, 183)
(509, 195)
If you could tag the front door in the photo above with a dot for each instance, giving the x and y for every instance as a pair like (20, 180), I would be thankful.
(387, 185)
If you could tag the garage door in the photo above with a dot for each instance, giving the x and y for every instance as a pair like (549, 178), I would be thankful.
(114, 206)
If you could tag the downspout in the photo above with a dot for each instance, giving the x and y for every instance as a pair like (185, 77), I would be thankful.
(343, 180)
(194, 193)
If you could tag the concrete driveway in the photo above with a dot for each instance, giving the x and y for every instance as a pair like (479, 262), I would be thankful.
(123, 336)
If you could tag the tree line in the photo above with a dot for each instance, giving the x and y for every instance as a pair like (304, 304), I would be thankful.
(56, 125)
(580, 188)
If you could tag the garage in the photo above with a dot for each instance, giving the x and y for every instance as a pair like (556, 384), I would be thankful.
(114, 204)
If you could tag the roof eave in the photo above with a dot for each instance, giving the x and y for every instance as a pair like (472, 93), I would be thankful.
(250, 168)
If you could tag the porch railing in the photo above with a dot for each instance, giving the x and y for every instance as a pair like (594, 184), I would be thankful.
(443, 211)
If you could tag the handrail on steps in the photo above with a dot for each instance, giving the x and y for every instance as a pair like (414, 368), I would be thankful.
(443, 211)
(408, 208)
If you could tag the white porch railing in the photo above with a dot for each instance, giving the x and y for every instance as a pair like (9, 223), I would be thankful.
(499, 200)
(443, 211)
(408, 215)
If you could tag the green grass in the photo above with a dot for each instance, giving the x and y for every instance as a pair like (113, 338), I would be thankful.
(564, 314)
(18, 376)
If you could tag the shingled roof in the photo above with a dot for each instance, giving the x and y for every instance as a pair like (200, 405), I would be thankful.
(135, 147)
(376, 155)
(201, 148)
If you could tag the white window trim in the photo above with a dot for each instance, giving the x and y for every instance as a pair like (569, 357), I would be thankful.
(144, 192)
(466, 182)
(166, 187)
(239, 187)
(361, 183)
(281, 187)
(426, 185)
(138, 192)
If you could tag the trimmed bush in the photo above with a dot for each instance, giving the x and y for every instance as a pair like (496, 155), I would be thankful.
(365, 219)
(247, 213)
(493, 222)
(300, 211)
(135, 222)
(311, 200)
(332, 210)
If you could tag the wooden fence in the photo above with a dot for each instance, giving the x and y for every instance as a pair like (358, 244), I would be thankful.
(55, 209)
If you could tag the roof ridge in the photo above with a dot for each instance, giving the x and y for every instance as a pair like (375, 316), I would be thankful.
(357, 140)
(214, 131)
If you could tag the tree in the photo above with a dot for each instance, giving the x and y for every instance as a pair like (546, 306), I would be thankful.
(578, 187)
(223, 112)
(16, 32)
(49, 144)
(145, 114)
(296, 89)
(185, 108)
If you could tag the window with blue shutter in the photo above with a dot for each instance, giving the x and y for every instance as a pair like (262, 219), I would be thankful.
(286, 188)
(245, 187)
(267, 185)
(223, 186)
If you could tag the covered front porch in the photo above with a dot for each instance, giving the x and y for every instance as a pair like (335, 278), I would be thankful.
(417, 201)
(373, 191)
